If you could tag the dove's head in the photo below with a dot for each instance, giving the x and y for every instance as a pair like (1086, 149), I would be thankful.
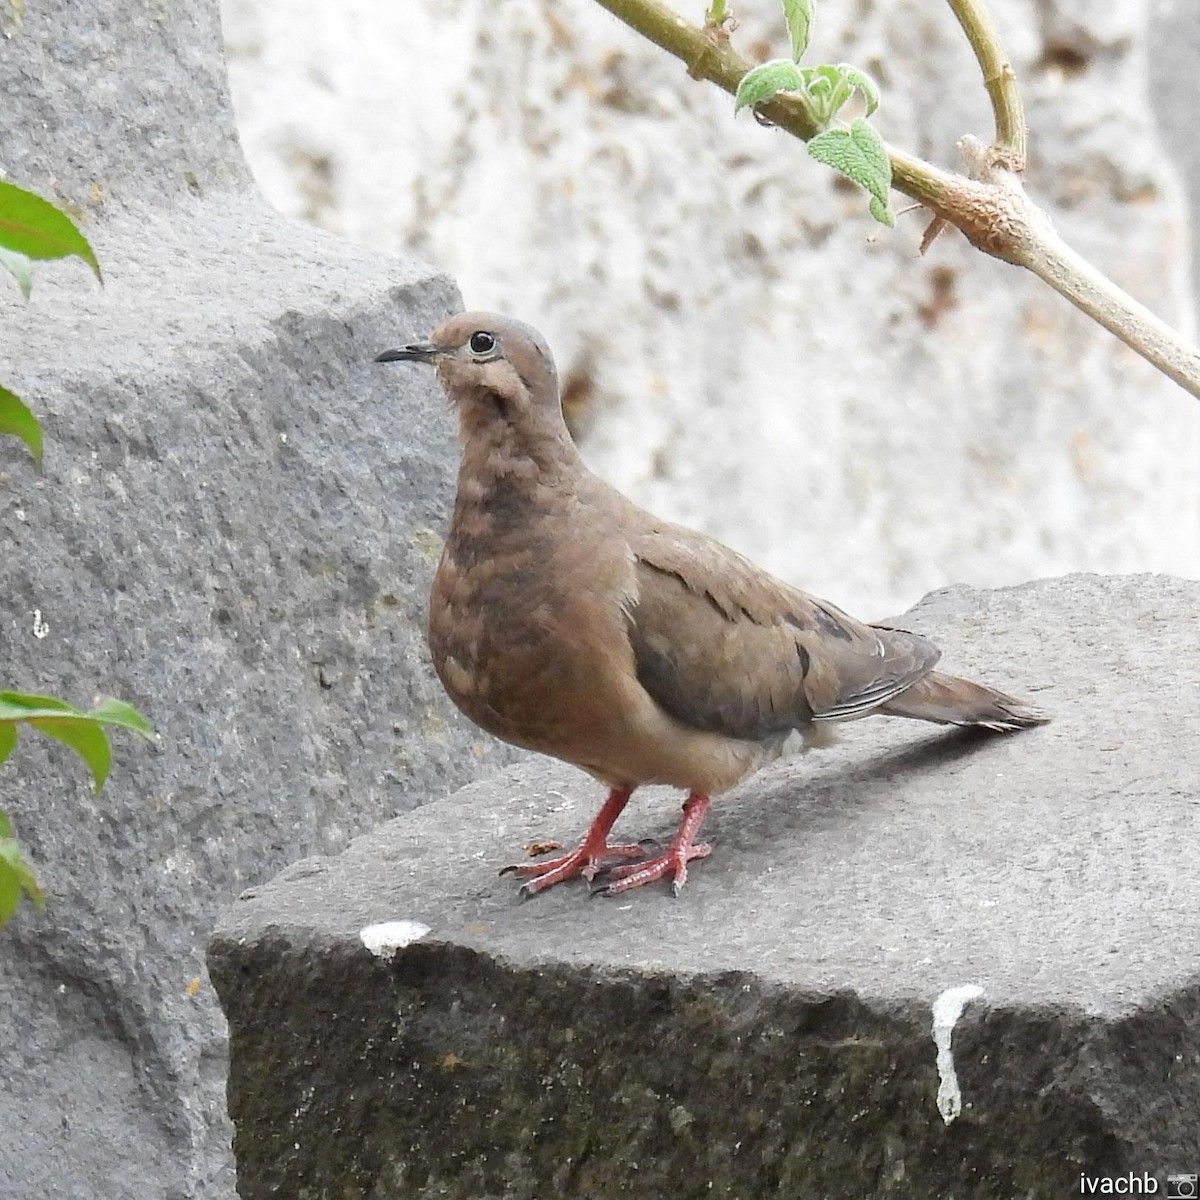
(495, 370)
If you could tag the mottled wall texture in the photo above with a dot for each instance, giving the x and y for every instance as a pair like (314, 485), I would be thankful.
(744, 350)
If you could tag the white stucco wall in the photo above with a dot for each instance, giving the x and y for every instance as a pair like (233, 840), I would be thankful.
(754, 355)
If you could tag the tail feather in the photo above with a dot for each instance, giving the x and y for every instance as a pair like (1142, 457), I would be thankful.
(950, 701)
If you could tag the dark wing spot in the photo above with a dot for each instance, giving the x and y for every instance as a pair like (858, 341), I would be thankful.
(645, 562)
(830, 625)
(805, 661)
(711, 599)
(678, 576)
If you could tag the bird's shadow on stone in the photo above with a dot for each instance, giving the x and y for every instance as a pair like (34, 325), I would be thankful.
(789, 800)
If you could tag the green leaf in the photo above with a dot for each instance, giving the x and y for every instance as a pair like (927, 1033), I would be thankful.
(864, 83)
(19, 706)
(825, 91)
(859, 154)
(10, 888)
(17, 419)
(881, 210)
(82, 732)
(16, 874)
(799, 15)
(765, 81)
(820, 81)
(122, 715)
(85, 737)
(19, 267)
(34, 227)
(828, 88)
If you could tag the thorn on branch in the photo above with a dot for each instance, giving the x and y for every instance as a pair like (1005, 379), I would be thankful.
(931, 231)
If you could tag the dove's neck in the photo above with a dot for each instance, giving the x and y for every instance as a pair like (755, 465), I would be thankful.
(515, 467)
(515, 436)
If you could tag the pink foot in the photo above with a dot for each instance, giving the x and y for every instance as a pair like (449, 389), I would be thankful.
(592, 856)
(584, 862)
(681, 851)
(626, 878)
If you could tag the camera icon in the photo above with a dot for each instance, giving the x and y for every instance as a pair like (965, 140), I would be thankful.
(1183, 1187)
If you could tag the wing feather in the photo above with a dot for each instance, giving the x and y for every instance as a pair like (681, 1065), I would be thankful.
(724, 647)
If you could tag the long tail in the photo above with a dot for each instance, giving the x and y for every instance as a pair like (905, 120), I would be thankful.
(949, 701)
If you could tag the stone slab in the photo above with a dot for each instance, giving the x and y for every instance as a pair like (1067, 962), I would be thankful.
(769, 1033)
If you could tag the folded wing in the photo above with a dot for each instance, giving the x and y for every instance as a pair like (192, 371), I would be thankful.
(724, 647)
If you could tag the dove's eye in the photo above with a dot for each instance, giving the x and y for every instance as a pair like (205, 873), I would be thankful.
(482, 342)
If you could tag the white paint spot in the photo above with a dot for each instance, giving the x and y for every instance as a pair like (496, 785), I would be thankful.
(947, 1008)
(40, 628)
(389, 936)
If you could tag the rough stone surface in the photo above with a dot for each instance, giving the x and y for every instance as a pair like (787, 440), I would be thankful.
(769, 1032)
(746, 350)
(235, 531)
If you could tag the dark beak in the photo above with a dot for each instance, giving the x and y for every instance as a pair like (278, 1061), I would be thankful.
(424, 352)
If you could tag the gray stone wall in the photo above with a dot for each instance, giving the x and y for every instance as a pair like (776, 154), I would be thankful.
(235, 530)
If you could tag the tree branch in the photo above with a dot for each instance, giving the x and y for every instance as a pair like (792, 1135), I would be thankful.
(998, 77)
(990, 207)
(1037, 246)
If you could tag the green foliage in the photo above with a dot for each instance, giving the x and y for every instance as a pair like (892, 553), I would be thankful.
(858, 151)
(16, 875)
(33, 227)
(83, 732)
(30, 228)
(828, 88)
(799, 15)
(16, 418)
(767, 80)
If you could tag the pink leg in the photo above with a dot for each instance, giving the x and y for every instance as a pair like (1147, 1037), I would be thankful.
(588, 859)
(682, 850)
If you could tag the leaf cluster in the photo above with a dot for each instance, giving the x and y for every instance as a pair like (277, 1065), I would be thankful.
(83, 732)
(857, 150)
(32, 229)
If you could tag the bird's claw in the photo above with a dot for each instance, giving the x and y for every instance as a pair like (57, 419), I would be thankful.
(583, 862)
(634, 875)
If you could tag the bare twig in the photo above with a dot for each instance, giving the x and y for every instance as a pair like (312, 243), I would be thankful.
(1031, 241)
(998, 77)
(990, 207)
